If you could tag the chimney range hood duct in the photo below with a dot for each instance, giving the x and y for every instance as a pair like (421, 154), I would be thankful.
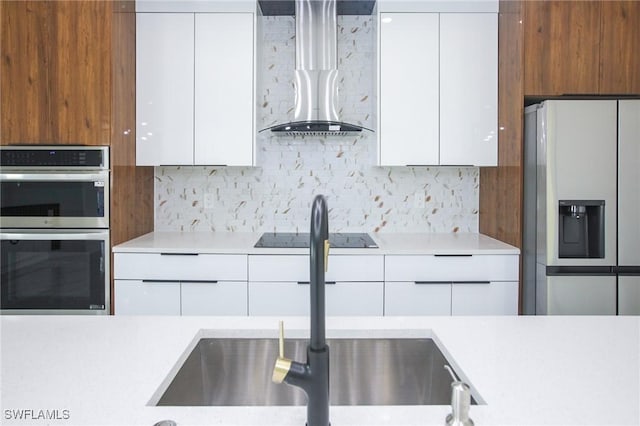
(316, 73)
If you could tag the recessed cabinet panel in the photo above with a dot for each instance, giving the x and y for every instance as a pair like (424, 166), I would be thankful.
(451, 268)
(469, 89)
(278, 298)
(484, 298)
(214, 298)
(411, 298)
(180, 266)
(354, 298)
(164, 88)
(293, 298)
(409, 99)
(296, 268)
(138, 297)
(224, 89)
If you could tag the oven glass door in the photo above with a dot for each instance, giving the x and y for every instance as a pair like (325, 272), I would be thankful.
(54, 200)
(54, 272)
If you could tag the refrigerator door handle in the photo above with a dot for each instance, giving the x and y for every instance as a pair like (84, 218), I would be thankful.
(581, 270)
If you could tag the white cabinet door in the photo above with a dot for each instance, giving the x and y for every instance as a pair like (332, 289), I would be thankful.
(164, 88)
(477, 267)
(354, 298)
(293, 298)
(484, 298)
(181, 266)
(224, 89)
(629, 295)
(408, 82)
(278, 298)
(417, 298)
(214, 298)
(469, 89)
(138, 297)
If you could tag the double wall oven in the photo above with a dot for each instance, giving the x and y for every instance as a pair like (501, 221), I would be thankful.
(54, 230)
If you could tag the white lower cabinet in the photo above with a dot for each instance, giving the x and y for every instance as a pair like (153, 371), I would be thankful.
(451, 285)
(180, 284)
(293, 298)
(416, 298)
(214, 298)
(484, 298)
(142, 297)
(279, 285)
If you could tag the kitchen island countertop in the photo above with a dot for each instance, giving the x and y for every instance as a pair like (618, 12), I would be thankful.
(388, 243)
(527, 370)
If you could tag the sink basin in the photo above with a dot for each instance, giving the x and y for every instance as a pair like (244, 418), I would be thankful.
(237, 372)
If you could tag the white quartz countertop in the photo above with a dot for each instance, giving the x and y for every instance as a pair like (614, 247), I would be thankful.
(388, 243)
(528, 370)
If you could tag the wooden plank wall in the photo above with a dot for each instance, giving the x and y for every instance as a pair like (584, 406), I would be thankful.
(132, 187)
(501, 188)
(55, 68)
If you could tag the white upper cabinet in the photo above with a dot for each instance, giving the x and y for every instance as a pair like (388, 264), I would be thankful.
(438, 89)
(164, 88)
(194, 89)
(224, 89)
(469, 89)
(409, 100)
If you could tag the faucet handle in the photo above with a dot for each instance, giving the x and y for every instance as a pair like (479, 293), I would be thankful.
(326, 255)
(283, 365)
(281, 340)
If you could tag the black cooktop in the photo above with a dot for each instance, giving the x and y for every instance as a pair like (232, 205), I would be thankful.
(301, 240)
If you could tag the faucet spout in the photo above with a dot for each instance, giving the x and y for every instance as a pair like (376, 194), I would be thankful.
(313, 377)
(319, 246)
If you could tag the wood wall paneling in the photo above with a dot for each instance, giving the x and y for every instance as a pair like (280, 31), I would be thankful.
(132, 187)
(501, 187)
(620, 47)
(562, 41)
(56, 72)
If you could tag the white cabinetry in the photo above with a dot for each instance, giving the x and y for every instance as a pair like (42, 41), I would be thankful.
(409, 97)
(469, 89)
(194, 89)
(279, 285)
(445, 285)
(438, 89)
(175, 284)
(164, 88)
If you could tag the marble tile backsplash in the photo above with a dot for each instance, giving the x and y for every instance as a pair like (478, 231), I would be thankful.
(277, 194)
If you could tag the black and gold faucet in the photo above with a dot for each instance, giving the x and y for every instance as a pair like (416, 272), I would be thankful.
(313, 376)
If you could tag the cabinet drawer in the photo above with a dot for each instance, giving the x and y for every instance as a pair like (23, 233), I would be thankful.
(485, 298)
(180, 267)
(410, 298)
(214, 298)
(296, 268)
(278, 298)
(451, 268)
(292, 298)
(135, 297)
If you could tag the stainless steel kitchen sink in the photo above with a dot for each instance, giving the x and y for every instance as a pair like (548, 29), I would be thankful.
(237, 372)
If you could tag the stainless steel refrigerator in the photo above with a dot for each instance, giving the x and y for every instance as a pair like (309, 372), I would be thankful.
(581, 239)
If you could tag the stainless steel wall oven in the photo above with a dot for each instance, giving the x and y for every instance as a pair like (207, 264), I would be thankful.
(54, 230)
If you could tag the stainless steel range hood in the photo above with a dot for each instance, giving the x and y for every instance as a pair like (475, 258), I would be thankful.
(316, 73)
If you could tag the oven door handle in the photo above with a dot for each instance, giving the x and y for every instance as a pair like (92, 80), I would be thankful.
(54, 234)
(85, 176)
